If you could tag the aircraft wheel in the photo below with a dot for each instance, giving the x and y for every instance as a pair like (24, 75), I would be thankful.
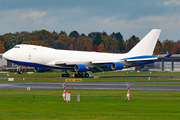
(81, 75)
(68, 75)
(20, 72)
(77, 75)
(65, 75)
(86, 75)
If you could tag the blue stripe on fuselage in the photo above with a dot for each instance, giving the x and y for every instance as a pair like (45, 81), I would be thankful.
(38, 65)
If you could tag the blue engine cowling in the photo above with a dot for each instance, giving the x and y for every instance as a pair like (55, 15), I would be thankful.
(80, 68)
(117, 66)
(38, 69)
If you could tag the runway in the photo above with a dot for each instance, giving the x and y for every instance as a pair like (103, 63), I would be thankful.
(88, 85)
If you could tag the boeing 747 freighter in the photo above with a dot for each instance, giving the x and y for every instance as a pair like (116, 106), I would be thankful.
(80, 61)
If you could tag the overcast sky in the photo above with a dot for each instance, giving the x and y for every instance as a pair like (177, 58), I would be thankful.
(130, 17)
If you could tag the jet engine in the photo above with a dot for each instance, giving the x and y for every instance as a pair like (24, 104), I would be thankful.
(39, 69)
(117, 66)
(80, 68)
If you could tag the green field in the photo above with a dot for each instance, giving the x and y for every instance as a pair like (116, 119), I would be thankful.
(125, 76)
(105, 80)
(94, 104)
(111, 73)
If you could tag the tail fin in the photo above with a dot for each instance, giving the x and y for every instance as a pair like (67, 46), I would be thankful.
(147, 44)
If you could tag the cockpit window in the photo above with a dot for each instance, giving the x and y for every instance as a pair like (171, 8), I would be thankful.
(16, 46)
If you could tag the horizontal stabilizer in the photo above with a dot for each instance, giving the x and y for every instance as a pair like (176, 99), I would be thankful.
(163, 57)
(169, 55)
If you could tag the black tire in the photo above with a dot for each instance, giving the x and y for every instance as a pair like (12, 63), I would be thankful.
(87, 75)
(20, 72)
(62, 75)
(76, 75)
(84, 75)
(67, 75)
(81, 75)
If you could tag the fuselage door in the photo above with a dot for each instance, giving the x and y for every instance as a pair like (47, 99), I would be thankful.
(29, 56)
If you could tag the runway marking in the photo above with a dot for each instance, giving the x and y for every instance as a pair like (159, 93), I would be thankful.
(5, 85)
(96, 84)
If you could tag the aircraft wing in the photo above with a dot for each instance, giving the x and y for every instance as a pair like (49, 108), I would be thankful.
(151, 58)
(102, 62)
(146, 59)
(123, 60)
(68, 62)
(65, 63)
(96, 66)
(99, 66)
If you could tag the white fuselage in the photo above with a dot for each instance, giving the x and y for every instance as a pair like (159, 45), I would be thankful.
(47, 56)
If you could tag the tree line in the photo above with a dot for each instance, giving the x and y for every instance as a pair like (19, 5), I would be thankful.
(95, 41)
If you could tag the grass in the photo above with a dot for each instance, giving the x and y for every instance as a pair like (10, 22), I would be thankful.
(94, 104)
(109, 79)
(25, 74)
(95, 80)
(111, 73)
(55, 77)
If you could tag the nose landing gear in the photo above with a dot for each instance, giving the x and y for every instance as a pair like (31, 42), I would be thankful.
(19, 70)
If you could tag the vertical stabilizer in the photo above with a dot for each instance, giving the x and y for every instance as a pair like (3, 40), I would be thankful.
(147, 44)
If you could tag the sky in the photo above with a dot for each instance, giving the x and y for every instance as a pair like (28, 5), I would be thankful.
(129, 17)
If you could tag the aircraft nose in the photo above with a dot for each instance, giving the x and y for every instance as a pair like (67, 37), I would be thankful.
(6, 55)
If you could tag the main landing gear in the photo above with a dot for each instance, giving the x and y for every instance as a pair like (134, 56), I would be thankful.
(66, 75)
(79, 75)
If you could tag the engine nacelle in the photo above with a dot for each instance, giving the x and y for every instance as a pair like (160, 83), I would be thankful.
(117, 66)
(80, 68)
(38, 69)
